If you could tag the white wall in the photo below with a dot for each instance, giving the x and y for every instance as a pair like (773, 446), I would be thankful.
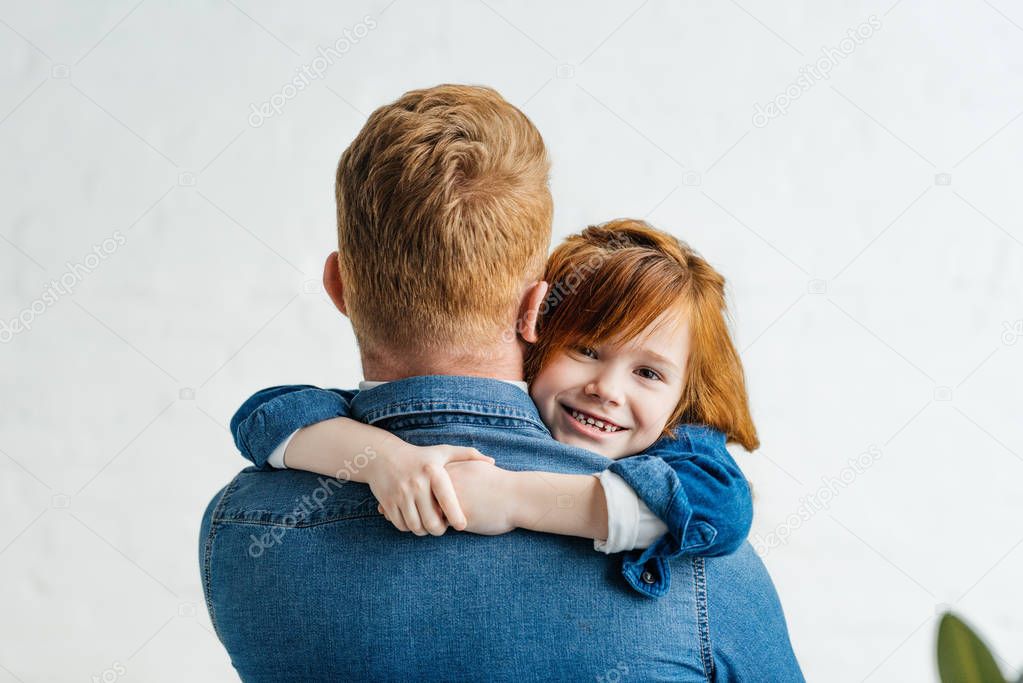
(877, 307)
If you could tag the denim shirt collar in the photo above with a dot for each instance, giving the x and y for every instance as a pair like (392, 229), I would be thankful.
(369, 384)
(426, 394)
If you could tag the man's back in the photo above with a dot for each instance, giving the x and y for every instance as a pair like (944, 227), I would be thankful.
(304, 580)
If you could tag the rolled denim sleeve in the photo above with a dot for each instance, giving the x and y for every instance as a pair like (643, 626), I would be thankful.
(695, 486)
(270, 416)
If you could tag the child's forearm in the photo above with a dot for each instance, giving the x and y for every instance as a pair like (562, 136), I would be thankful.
(340, 447)
(566, 504)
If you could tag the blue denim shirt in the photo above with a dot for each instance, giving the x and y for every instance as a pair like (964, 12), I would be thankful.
(305, 581)
(689, 481)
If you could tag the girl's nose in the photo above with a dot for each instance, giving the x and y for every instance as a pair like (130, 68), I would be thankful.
(605, 388)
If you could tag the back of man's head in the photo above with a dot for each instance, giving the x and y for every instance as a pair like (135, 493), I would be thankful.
(444, 215)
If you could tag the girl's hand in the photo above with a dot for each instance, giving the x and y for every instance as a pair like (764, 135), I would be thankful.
(414, 489)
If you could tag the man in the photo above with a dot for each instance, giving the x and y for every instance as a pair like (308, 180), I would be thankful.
(444, 220)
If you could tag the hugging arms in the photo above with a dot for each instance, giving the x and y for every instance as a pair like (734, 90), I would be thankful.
(694, 498)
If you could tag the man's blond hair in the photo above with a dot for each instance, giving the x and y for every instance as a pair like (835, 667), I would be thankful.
(444, 215)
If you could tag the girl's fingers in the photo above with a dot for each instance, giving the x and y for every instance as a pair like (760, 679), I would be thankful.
(412, 520)
(444, 492)
(430, 514)
(440, 513)
(394, 517)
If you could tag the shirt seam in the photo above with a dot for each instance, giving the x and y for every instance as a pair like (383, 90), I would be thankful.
(208, 554)
(419, 406)
(302, 525)
(702, 617)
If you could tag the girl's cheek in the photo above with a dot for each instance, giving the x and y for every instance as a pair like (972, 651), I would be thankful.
(555, 377)
(544, 387)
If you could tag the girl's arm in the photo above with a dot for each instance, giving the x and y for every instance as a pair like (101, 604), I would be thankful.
(690, 482)
(497, 500)
(410, 482)
(566, 504)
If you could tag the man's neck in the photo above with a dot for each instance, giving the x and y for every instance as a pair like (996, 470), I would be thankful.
(503, 362)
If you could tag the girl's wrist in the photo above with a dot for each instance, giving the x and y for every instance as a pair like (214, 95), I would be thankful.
(525, 499)
(386, 451)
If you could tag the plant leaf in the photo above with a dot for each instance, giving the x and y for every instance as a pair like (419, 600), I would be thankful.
(962, 655)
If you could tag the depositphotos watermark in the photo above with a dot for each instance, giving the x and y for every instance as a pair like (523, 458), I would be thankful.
(64, 286)
(815, 502)
(810, 74)
(307, 503)
(615, 674)
(1012, 331)
(314, 70)
(112, 673)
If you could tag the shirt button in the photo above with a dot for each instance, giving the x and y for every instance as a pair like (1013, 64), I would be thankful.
(647, 578)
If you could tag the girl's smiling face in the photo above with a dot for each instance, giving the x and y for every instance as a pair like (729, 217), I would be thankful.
(633, 388)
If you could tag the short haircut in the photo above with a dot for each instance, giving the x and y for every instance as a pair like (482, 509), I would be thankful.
(443, 218)
(611, 281)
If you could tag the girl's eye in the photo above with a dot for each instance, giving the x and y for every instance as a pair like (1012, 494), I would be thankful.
(586, 350)
(655, 375)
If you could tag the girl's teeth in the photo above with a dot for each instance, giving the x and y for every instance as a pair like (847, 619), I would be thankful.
(596, 423)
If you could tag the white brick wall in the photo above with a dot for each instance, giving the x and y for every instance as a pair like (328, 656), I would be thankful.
(872, 235)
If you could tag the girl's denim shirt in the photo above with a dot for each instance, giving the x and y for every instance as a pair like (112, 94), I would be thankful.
(689, 480)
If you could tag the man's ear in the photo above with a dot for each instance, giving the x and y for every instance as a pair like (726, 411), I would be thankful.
(332, 283)
(529, 311)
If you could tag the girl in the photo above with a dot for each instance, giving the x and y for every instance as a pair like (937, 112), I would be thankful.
(633, 361)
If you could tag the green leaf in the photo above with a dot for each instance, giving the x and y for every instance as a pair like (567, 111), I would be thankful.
(962, 655)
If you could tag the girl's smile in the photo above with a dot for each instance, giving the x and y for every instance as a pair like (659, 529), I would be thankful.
(590, 424)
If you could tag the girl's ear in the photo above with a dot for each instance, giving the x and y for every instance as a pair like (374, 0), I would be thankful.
(529, 311)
